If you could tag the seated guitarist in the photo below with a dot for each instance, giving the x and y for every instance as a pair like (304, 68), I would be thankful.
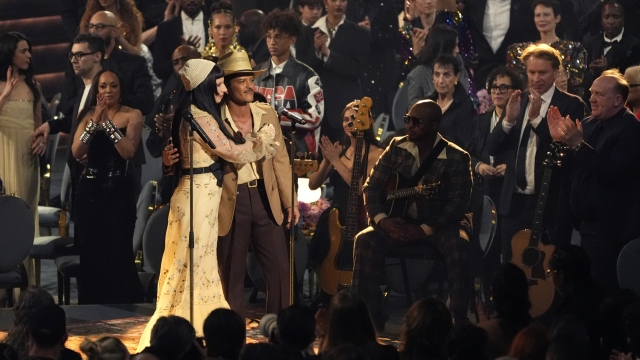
(442, 222)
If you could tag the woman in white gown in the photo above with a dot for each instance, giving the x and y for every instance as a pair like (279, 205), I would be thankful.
(205, 87)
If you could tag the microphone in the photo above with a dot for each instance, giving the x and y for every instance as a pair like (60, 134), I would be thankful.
(291, 116)
(187, 115)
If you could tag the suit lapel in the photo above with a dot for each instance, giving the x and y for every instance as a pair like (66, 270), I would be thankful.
(478, 15)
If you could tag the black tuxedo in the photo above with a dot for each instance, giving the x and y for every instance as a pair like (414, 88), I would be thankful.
(168, 38)
(341, 74)
(521, 29)
(479, 152)
(518, 209)
(620, 56)
(605, 196)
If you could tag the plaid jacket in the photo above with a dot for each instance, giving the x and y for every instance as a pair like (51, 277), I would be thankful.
(452, 169)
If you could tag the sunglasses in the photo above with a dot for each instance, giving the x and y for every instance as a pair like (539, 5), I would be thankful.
(412, 119)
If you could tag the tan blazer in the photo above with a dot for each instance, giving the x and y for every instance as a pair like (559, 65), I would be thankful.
(276, 173)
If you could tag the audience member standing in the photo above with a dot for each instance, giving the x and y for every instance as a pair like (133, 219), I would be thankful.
(605, 197)
(614, 48)
(106, 195)
(522, 137)
(458, 111)
(20, 114)
(223, 37)
(337, 49)
(190, 26)
(310, 11)
(547, 17)
(86, 57)
(494, 25)
(442, 40)
(290, 83)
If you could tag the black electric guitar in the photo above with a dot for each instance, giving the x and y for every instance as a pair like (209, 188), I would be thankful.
(336, 270)
(529, 252)
(400, 192)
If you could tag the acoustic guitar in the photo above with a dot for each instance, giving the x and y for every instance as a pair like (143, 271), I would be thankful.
(529, 252)
(399, 190)
(337, 268)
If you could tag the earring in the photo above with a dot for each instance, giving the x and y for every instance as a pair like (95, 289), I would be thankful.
(210, 50)
(234, 45)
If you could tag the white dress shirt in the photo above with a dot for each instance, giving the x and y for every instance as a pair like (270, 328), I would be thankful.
(497, 16)
(83, 99)
(194, 27)
(275, 69)
(617, 38)
(532, 142)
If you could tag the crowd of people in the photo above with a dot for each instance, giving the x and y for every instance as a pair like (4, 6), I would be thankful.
(487, 87)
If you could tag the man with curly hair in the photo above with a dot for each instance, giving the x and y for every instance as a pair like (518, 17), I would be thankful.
(290, 83)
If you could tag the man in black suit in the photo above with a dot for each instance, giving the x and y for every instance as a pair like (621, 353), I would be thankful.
(190, 26)
(522, 136)
(605, 196)
(132, 68)
(494, 25)
(488, 171)
(615, 48)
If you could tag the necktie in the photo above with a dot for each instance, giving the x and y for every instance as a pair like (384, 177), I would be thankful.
(521, 161)
(608, 44)
(595, 135)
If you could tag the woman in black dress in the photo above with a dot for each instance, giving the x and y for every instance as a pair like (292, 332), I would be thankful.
(106, 195)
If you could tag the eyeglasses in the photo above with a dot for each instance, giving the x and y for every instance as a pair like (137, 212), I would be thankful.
(412, 119)
(78, 55)
(633, 85)
(501, 89)
(276, 39)
(99, 26)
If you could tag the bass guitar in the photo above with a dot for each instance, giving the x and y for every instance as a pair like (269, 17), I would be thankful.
(529, 252)
(336, 270)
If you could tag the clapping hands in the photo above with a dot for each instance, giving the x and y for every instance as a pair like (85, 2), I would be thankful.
(563, 128)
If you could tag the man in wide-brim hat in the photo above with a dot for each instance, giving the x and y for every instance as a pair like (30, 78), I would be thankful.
(255, 196)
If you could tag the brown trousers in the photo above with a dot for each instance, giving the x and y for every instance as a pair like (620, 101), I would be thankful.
(253, 224)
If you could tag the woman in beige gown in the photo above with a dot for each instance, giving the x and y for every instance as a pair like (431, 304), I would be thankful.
(19, 116)
(201, 78)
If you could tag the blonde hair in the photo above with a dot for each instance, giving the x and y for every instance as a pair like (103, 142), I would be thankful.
(105, 348)
(634, 73)
(542, 51)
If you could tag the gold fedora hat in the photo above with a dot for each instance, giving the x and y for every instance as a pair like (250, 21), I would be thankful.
(236, 62)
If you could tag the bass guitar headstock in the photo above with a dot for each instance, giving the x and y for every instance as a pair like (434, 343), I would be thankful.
(557, 151)
(306, 162)
(362, 120)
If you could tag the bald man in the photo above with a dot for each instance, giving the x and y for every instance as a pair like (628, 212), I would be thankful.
(605, 196)
(162, 115)
(632, 76)
(441, 222)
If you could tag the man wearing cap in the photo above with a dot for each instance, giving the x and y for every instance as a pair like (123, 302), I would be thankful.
(255, 196)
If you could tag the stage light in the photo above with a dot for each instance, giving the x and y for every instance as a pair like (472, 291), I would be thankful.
(305, 194)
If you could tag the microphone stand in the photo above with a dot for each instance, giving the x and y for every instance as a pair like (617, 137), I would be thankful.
(191, 236)
(292, 148)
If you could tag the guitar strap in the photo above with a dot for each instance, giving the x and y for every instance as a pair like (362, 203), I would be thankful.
(426, 164)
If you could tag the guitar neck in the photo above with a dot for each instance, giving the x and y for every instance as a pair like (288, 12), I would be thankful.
(402, 193)
(536, 228)
(354, 193)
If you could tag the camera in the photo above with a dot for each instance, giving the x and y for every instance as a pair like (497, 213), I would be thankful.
(268, 326)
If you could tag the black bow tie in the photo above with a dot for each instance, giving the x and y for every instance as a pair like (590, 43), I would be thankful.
(610, 43)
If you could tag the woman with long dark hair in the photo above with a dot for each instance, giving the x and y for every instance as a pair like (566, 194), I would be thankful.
(510, 294)
(204, 82)
(106, 194)
(426, 331)
(441, 40)
(337, 162)
(19, 115)
(349, 323)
